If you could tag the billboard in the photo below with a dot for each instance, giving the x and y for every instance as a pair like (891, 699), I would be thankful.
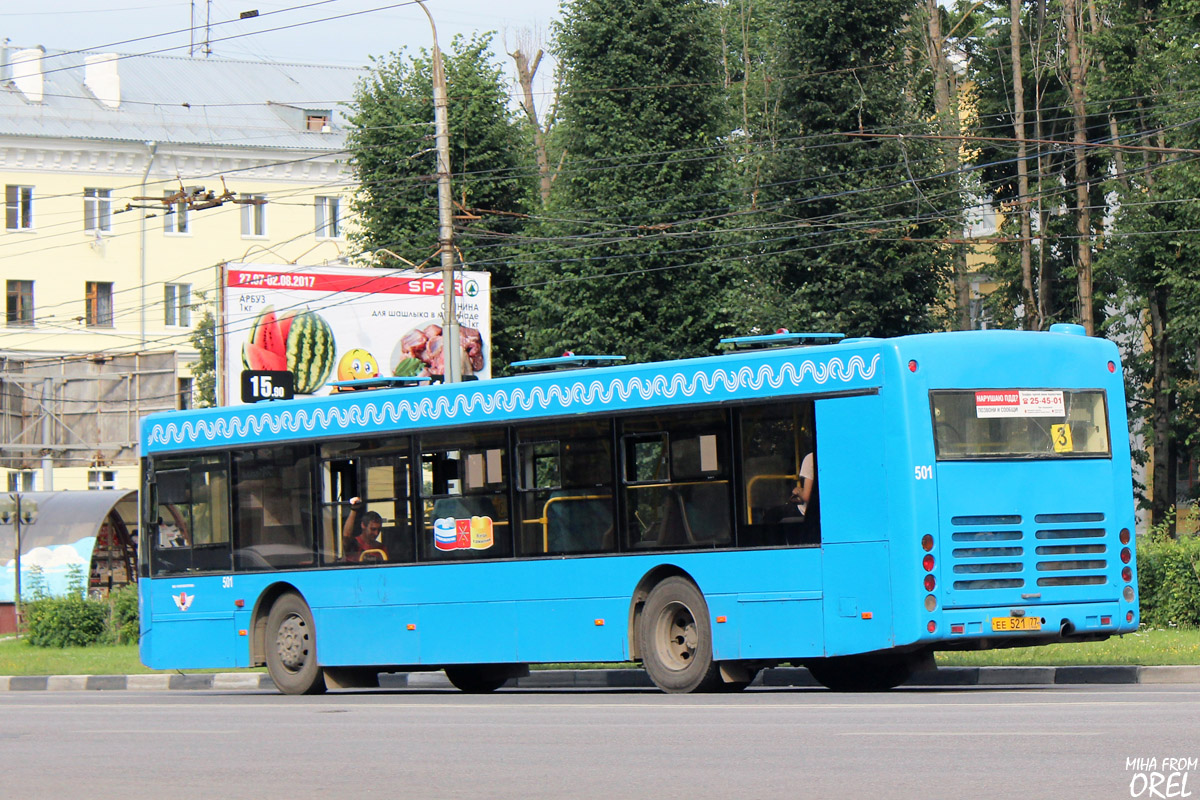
(326, 324)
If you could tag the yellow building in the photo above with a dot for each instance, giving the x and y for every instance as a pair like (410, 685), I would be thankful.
(127, 181)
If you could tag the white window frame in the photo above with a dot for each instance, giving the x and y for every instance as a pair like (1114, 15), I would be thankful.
(97, 210)
(254, 217)
(175, 218)
(18, 208)
(177, 304)
(325, 221)
(101, 479)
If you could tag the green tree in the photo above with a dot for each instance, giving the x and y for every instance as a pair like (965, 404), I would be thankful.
(850, 218)
(1153, 247)
(204, 371)
(623, 257)
(393, 157)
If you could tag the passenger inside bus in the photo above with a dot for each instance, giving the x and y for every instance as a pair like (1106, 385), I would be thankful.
(797, 505)
(360, 534)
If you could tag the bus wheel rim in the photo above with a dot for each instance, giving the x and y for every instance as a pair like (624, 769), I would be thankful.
(676, 636)
(292, 642)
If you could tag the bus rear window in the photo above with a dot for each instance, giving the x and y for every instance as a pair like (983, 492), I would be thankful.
(979, 424)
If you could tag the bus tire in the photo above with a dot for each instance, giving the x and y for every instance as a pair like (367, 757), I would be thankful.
(291, 647)
(863, 673)
(478, 678)
(675, 638)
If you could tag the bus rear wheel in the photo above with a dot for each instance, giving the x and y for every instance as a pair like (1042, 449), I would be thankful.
(292, 647)
(863, 673)
(675, 639)
(478, 678)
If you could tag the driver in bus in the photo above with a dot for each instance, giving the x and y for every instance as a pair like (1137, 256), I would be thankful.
(364, 545)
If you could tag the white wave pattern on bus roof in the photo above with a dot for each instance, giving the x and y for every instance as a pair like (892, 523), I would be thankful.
(556, 397)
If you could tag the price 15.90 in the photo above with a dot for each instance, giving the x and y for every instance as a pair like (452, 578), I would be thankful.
(261, 384)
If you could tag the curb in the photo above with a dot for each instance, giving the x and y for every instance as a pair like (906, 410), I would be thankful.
(611, 679)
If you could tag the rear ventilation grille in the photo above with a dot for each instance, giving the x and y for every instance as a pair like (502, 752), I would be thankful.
(1002, 559)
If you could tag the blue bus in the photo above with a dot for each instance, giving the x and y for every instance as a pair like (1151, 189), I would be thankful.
(851, 506)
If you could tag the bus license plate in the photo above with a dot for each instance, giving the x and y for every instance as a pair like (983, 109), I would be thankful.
(1016, 623)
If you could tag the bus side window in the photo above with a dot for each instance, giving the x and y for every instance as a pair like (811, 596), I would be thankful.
(777, 441)
(339, 483)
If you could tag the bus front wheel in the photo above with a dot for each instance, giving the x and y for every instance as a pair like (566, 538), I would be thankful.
(292, 647)
(675, 638)
(864, 673)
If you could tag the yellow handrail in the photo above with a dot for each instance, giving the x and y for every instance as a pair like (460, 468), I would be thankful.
(544, 520)
(750, 486)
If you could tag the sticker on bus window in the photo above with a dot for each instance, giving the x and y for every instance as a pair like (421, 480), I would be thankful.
(1061, 436)
(1019, 403)
(463, 534)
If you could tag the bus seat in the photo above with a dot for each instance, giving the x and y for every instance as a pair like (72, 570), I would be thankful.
(464, 507)
(577, 523)
(705, 513)
(673, 531)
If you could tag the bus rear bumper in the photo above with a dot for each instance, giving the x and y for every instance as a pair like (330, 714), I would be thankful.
(995, 627)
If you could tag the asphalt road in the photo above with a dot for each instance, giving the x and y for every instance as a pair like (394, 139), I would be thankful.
(979, 742)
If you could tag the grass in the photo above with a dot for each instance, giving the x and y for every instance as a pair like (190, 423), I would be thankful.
(18, 657)
(1146, 647)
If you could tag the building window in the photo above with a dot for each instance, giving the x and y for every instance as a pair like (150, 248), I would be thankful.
(329, 217)
(18, 208)
(19, 306)
(22, 481)
(97, 210)
(175, 218)
(102, 479)
(177, 300)
(99, 305)
(254, 215)
(317, 121)
(186, 388)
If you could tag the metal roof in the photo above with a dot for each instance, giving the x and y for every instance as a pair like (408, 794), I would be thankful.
(172, 99)
(63, 534)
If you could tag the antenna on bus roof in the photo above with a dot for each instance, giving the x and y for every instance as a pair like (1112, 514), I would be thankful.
(780, 338)
(567, 360)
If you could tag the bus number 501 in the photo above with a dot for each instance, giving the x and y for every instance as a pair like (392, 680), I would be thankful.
(924, 472)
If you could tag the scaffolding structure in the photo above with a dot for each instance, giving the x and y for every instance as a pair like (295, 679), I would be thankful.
(73, 411)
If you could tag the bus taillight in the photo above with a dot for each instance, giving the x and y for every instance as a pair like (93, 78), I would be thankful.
(1128, 595)
(927, 543)
(930, 583)
(1112, 367)
(912, 366)
(927, 562)
(1129, 616)
(1125, 555)
(1124, 535)
(931, 627)
(1126, 574)
(930, 602)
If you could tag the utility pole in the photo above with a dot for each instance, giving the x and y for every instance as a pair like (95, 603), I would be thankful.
(452, 372)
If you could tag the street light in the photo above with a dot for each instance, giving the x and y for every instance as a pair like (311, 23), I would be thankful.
(451, 372)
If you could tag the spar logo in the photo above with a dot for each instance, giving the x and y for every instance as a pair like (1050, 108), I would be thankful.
(1160, 777)
(183, 600)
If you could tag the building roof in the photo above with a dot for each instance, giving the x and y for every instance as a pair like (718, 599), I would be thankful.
(173, 99)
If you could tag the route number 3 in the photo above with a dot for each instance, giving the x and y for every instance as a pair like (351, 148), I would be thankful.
(924, 472)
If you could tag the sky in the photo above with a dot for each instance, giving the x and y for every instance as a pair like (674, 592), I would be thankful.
(339, 32)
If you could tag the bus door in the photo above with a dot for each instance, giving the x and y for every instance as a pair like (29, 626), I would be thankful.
(854, 523)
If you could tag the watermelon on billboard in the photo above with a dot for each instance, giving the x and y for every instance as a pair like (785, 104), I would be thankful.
(326, 324)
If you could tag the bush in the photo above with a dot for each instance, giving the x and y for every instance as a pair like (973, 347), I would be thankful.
(122, 616)
(74, 621)
(1169, 580)
(67, 621)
